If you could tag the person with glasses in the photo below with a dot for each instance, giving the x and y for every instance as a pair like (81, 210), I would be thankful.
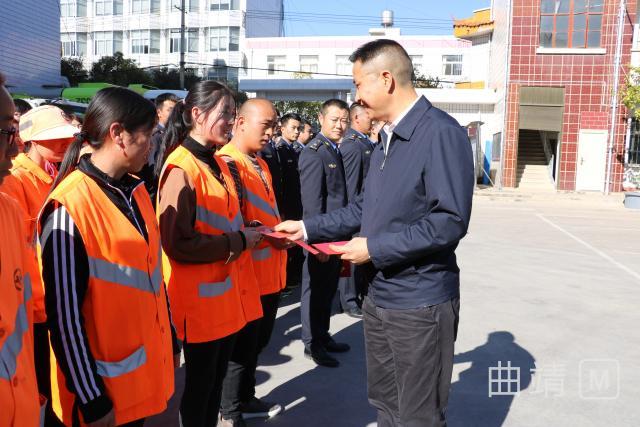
(18, 386)
(212, 288)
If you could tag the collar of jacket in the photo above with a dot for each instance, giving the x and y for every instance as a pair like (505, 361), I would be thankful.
(126, 184)
(407, 125)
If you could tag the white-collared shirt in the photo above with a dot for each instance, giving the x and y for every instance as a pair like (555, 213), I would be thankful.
(389, 127)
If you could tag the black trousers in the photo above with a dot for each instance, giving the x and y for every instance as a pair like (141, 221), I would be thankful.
(240, 381)
(349, 297)
(41, 354)
(295, 261)
(319, 285)
(409, 362)
(205, 368)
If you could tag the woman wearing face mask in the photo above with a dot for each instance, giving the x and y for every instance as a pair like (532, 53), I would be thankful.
(100, 251)
(49, 133)
(212, 290)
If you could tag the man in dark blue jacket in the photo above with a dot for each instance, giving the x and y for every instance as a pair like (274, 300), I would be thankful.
(415, 209)
(323, 190)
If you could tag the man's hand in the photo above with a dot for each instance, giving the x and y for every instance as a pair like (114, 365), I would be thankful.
(108, 420)
(356, 251)
(293, 228)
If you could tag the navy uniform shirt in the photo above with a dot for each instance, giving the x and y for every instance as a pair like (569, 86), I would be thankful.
(289, 204)
(322, 180)
(356, 151)
(415, 208)
(270, 156)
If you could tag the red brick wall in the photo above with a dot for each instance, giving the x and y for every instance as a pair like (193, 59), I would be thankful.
(587, 81)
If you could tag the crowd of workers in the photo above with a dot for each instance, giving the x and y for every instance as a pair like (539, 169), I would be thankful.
(149, 231)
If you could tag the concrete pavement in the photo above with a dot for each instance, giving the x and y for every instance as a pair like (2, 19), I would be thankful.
(550, 288)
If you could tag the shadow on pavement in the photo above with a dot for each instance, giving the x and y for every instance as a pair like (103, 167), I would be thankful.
(469, 401)
(327, 396)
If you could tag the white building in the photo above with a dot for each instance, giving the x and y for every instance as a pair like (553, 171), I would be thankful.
(30, 47)
(318, 68)
(148, 31)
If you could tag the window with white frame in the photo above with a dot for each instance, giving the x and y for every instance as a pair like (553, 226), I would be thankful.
(219, 39)
(106, 43)
(190, 5)
(452, 65)
(145, 41)
(190, 37)
(74, 44)
(309, 63)
(234, 39)
(275, 63)
(107, 7)
(68, 8)
(343, 65)
(145, 6)
(224, 4)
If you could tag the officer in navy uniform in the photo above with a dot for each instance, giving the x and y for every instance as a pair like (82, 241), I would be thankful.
(356, 149)
(323, 190)
(270, 155)
(290, 204)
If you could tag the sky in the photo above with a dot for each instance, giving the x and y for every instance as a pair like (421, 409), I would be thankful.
(355, 17)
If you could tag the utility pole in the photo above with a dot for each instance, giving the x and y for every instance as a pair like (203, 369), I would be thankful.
(182, 13)
(614, 98)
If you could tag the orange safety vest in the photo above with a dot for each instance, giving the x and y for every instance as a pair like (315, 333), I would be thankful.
(29, 185)
(213, 300)
(125, 308)
(19, 403)
(270, 264)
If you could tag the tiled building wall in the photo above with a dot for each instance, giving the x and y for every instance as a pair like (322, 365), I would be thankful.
(587, 80)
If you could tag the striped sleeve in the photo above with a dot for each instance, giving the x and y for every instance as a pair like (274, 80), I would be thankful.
(65, 272)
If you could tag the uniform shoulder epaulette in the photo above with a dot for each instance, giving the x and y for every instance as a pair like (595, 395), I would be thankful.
(314, 145)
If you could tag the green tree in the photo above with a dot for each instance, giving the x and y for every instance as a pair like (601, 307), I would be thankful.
(73, 70)
(422, 82)
(169, 78)
(631, 92)
(307, 109)
(118, 70)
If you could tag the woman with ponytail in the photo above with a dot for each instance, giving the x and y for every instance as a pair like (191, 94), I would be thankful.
(105, 298)
(211, 284)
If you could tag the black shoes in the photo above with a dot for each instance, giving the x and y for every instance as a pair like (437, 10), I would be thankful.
(256, 408)
(320, 356)
(354, 312)
(336, 347)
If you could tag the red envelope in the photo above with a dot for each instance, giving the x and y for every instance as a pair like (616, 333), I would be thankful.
(325, 249)
(284, 236)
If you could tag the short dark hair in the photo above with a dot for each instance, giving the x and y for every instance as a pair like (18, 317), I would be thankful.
(375, 48)
(333, 103)
(3, 80)
(22, 106)
(290, 116)
(168, 96)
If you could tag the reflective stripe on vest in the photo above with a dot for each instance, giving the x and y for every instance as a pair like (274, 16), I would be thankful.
(125, 276)
(218, 221)
(261, 254)
(261, 204)
(206, 290)
(124, 366)
(13, 344)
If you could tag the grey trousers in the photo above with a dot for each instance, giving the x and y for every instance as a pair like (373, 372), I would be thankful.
(409, 362)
